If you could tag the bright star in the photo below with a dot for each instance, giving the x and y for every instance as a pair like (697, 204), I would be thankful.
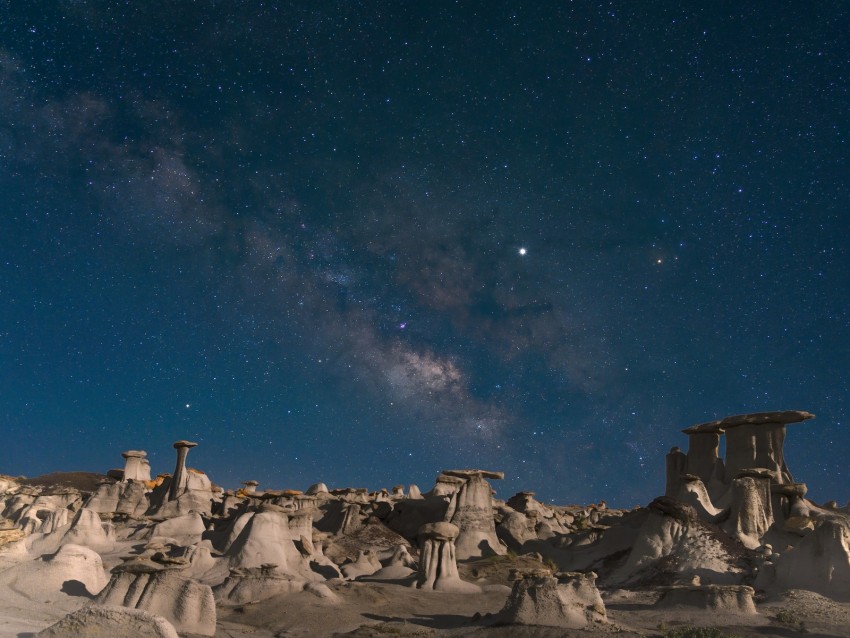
(522, 251)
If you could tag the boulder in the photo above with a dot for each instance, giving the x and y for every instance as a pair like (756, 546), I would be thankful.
(569, 600)
(108, 621)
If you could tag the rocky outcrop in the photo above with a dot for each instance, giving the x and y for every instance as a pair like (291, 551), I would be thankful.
(73, 571)
(673, 544)
(569, 600)
(185, 603)
(751, 513)
(720, 598)
(112, 622)
(820, 562)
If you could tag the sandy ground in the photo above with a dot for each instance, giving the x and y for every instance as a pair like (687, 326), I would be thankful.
(371, 609)
(386, 609)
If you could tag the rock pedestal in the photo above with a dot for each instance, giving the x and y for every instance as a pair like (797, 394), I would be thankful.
(472, 511)
(437, 560)
(178, 481)
(756, 440)
(136, 466)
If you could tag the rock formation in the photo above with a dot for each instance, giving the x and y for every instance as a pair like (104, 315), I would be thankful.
(568, 600)
(178, 480)
(438, 560)
(471, 510)
(179, 545)
(112, 622)
(719, 598)
(185, 603)
(136, 466)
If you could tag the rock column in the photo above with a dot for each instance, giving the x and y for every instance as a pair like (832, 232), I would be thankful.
(437, 560)
(471, 510)
(136, 466)
(178, 479)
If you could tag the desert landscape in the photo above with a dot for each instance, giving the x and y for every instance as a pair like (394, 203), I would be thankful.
(732, 547)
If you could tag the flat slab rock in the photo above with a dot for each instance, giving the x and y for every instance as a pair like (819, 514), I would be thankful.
(783, 417)
(466, 474)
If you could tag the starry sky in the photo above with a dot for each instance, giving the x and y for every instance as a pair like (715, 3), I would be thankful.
(362, 242)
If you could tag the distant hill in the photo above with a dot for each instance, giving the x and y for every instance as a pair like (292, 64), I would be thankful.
(83, 481)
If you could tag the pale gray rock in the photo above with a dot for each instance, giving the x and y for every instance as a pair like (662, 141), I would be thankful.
(438, 561)
(185, 603)
(128, 497)
(186, 529)
(569, 600)
(751, 509)
(255, 584)
(266, 538)
(471, 510)
(136, 466)
(672, 541)
(819, 562)
(73, 571)
(367, 563)
(100, 621)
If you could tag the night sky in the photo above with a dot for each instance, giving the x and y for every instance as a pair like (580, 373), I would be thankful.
(362, 242)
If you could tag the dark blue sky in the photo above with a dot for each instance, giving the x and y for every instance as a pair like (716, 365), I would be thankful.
(292, 232)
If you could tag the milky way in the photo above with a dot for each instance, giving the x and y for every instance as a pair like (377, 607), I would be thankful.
(361, 243)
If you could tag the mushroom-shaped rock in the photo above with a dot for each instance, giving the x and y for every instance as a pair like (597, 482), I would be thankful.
(250, 486)
(178, 480)
(569, 600)
(721, 598)
(111, 621)
(193, 489)
(185, 603)
(438, 562)
(317, 488)
(136, 466)
(757, 440)
(472, 511)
